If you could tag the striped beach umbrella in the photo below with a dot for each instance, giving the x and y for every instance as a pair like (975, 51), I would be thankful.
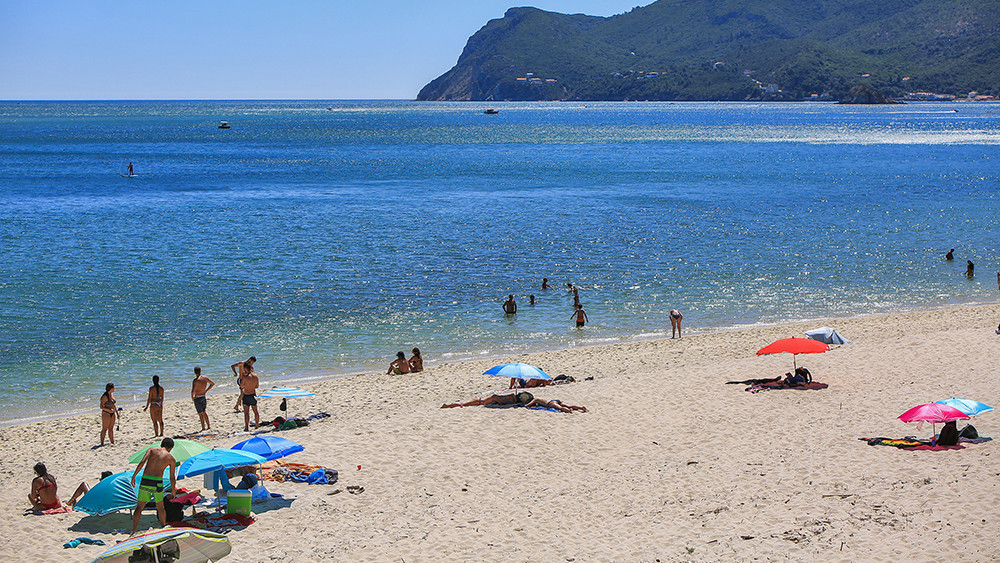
(181, 545)
(285, 393)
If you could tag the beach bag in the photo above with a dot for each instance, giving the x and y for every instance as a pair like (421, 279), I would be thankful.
(173, 510)
(969, 432)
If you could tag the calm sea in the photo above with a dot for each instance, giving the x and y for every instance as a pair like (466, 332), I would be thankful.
(322, 237)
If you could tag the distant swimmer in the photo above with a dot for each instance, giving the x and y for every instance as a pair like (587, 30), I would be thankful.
(581, 317)
(950, 255)
(675, 323)
(531, 300)
(509, 306)
(545, 283)
(970, 269)
(576, 298)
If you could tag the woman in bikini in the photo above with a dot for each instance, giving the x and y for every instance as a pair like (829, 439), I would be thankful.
(399, 366)
(108, 413)
(518, 398)
(416, 362)
(43, 494)
(154, 402)
(555, 404)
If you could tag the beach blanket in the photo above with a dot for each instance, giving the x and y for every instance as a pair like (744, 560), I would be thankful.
(541, 408)
(217, 522)
(894, 442)
(978, 440)
(280, 471)
(770, 386)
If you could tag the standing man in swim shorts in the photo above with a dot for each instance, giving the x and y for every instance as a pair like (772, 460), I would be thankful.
(249, 384)
(151, 485)
(675, 323)
(510, 306)
(581, 317)
(243, 369)
(199, 388)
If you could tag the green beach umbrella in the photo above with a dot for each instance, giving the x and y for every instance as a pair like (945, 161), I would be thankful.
(182, 450)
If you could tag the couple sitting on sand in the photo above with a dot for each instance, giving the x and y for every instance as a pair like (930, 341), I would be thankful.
(401, 365)
(523, 398)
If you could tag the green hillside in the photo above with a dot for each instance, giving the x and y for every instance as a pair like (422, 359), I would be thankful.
(732, 50)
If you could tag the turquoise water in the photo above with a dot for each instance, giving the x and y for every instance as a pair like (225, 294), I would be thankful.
(322, 237)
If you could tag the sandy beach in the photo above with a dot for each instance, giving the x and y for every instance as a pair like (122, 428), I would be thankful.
(670, 464)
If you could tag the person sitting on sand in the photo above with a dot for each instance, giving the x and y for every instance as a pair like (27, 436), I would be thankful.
(416, 362)
(155, 461)
(83, 488)
(948, 435)
(800, 377)
(399, 366)
(555, 404)
(521, 398)
(43, 495)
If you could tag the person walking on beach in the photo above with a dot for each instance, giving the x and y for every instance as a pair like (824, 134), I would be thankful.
(399, 366)
(581, 317)
(509, 306)
(199, 389)
(675, 323)
(151, 485)
(154, 402)
(108, 413)
(241, 369)
(249, 383)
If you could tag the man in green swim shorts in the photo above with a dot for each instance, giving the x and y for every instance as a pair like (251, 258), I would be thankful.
(155, 461)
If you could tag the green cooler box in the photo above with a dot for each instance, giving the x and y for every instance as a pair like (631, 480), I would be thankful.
(238, 502)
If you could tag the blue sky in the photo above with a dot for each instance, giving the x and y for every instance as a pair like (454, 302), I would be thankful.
(242, 49)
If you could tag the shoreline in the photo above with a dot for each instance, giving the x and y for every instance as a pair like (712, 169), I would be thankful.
(468, 359)
(669, 463)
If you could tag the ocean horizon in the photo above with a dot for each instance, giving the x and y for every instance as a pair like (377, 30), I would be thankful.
(324, 236)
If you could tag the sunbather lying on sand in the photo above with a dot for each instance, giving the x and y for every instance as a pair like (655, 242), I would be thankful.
(555, 404)
(519, 398)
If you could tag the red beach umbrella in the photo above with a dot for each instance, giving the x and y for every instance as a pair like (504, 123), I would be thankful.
(934, 413)
(794, 346)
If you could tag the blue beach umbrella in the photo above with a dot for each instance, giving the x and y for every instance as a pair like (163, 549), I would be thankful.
(269, 447)
(219, 459)
(517, 370)
(967, 406)
(181, 545)
(113, 493)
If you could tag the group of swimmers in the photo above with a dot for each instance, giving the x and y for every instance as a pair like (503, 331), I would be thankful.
(401, 365)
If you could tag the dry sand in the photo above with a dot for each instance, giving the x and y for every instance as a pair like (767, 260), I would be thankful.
(670, 463)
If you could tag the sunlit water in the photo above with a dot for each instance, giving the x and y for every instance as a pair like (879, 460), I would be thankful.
(322, 237)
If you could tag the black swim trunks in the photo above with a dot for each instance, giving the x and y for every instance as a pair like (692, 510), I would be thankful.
(200, 403)
(249, 400)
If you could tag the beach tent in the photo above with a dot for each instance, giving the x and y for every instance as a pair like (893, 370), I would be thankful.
(827, 335)
(113, 493)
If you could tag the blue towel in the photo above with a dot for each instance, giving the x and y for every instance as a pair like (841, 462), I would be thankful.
(318, 477)
(78, 541)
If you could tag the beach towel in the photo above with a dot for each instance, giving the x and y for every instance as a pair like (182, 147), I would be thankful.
(935, 448)
(894, 442)
(218, 522)
(78, 541)
(541, 408)
(771, 386)
(57, 510)
(978, 440)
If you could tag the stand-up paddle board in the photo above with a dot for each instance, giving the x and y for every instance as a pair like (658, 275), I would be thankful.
(130, 175)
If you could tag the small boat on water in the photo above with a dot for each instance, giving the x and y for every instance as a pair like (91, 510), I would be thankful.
(224, 125)
(491, 111)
